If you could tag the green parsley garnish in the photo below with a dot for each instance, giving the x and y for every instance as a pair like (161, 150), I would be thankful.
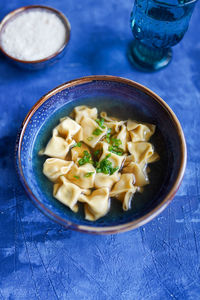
(77, 177)
(88, 174)
(90, 138)
(85, 159)
(100, 123)
(114, 170)
(116, 150)
(105, 166)
(116, 142)
(79, 144)
(97, 131)
(108, 135)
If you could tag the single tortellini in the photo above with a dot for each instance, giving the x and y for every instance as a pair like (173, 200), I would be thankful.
(92, 132)
(139, 172)
(124, 190)
(57, 147)
(113, 123)
(53, 168)
(104, 115)
(125, 184)
(96, 205)
(82, 176)
(126, 198)
(115, 159)
(105, 180)
(84, 111)
(67, 128)
(67, 193)
(141, 151)
(78, 150)
(140, 132)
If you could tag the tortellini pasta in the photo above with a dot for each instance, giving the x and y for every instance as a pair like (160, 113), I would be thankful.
(96, 204)
(84, 111)
(67, 193)
(140, 132)
(53, 168)
(78, 175)
(94, 159)
(124, 189)
(92, 132)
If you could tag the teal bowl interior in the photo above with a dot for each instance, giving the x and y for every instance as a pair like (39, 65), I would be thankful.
(119, 98)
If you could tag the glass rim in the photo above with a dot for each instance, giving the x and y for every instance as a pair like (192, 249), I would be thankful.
(175, 5)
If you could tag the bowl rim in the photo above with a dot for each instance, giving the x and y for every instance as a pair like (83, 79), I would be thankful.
(108, 229)
(13, 13)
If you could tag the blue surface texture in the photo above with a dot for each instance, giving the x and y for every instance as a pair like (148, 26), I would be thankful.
(41, 260)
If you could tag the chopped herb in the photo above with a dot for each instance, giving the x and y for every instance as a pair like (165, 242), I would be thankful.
(90, 138)
(108, 135)
(95, 163)
(97, 131)
(79, 144)
(114, 170)
(96, 153)
(77, 177)
(100, 123)
(88, 174)
(116, 150)
(116, 142)
(85, 159)
(105, 166)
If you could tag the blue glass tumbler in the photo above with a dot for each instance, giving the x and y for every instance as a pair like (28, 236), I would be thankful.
(156, 27)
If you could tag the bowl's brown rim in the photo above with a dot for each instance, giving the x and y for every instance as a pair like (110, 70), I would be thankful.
(108, 229)
(13, 13)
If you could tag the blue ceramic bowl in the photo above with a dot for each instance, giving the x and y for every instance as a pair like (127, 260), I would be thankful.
(121, 98)
(36, 64)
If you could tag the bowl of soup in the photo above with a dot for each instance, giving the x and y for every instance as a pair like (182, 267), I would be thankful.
(101, 154)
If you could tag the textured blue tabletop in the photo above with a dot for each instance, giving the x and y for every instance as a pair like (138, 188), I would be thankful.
(40, 259)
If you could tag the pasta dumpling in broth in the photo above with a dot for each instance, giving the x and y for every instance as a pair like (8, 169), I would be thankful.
(106, 180)
(92, 133)
(115, 159)
(67, 128)
(84, 111)
(82, 176)
(139, 172)
(94, 158)
(112, 123)
(124, 189)
(96, 205)
(141, 151)
(57, 147)
(67, 193)
(53, 168)
(140, 132)
(78, 150)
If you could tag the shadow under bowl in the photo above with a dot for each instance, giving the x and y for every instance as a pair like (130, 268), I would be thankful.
(41, 63)
(121, 98)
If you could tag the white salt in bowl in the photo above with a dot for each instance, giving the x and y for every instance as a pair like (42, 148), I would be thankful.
(34, 36)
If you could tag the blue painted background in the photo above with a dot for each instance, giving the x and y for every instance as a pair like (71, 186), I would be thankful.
(41, 260)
